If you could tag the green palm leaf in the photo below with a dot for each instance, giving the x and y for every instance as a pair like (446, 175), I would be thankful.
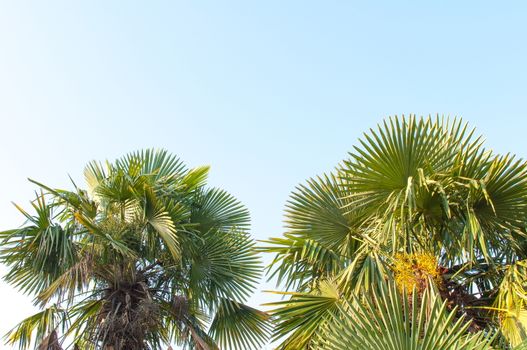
(299, 318)
(389, 320)
(238, 326)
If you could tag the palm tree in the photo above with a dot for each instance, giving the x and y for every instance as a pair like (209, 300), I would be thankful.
(418, 200)
(147, 255)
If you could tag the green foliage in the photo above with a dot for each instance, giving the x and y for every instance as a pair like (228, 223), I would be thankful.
(304, 315)
(389, 320)
(235, 321)
(412, 185)
(147, 255)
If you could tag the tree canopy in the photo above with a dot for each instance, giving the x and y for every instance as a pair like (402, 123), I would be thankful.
(146, 255)
(419, 204)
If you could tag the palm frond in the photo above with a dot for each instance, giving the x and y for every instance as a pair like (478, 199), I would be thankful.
(238, 326)
(215, 209)
(156, 215)
(389, 320)
(33, 329)
(301, 317)
(225, 265)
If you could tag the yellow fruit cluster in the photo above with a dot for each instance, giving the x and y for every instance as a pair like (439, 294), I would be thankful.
(414, 270)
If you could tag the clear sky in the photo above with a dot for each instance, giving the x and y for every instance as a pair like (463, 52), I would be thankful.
(268, 93)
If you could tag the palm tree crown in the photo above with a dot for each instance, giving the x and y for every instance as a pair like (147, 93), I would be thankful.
(418, 200)
(146, 255)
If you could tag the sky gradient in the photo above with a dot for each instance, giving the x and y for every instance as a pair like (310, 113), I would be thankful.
(268, 93)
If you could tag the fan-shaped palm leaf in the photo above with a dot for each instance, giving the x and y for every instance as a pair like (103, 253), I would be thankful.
(389, 320)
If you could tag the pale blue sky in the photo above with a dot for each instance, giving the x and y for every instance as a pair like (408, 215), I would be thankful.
(268, 93)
